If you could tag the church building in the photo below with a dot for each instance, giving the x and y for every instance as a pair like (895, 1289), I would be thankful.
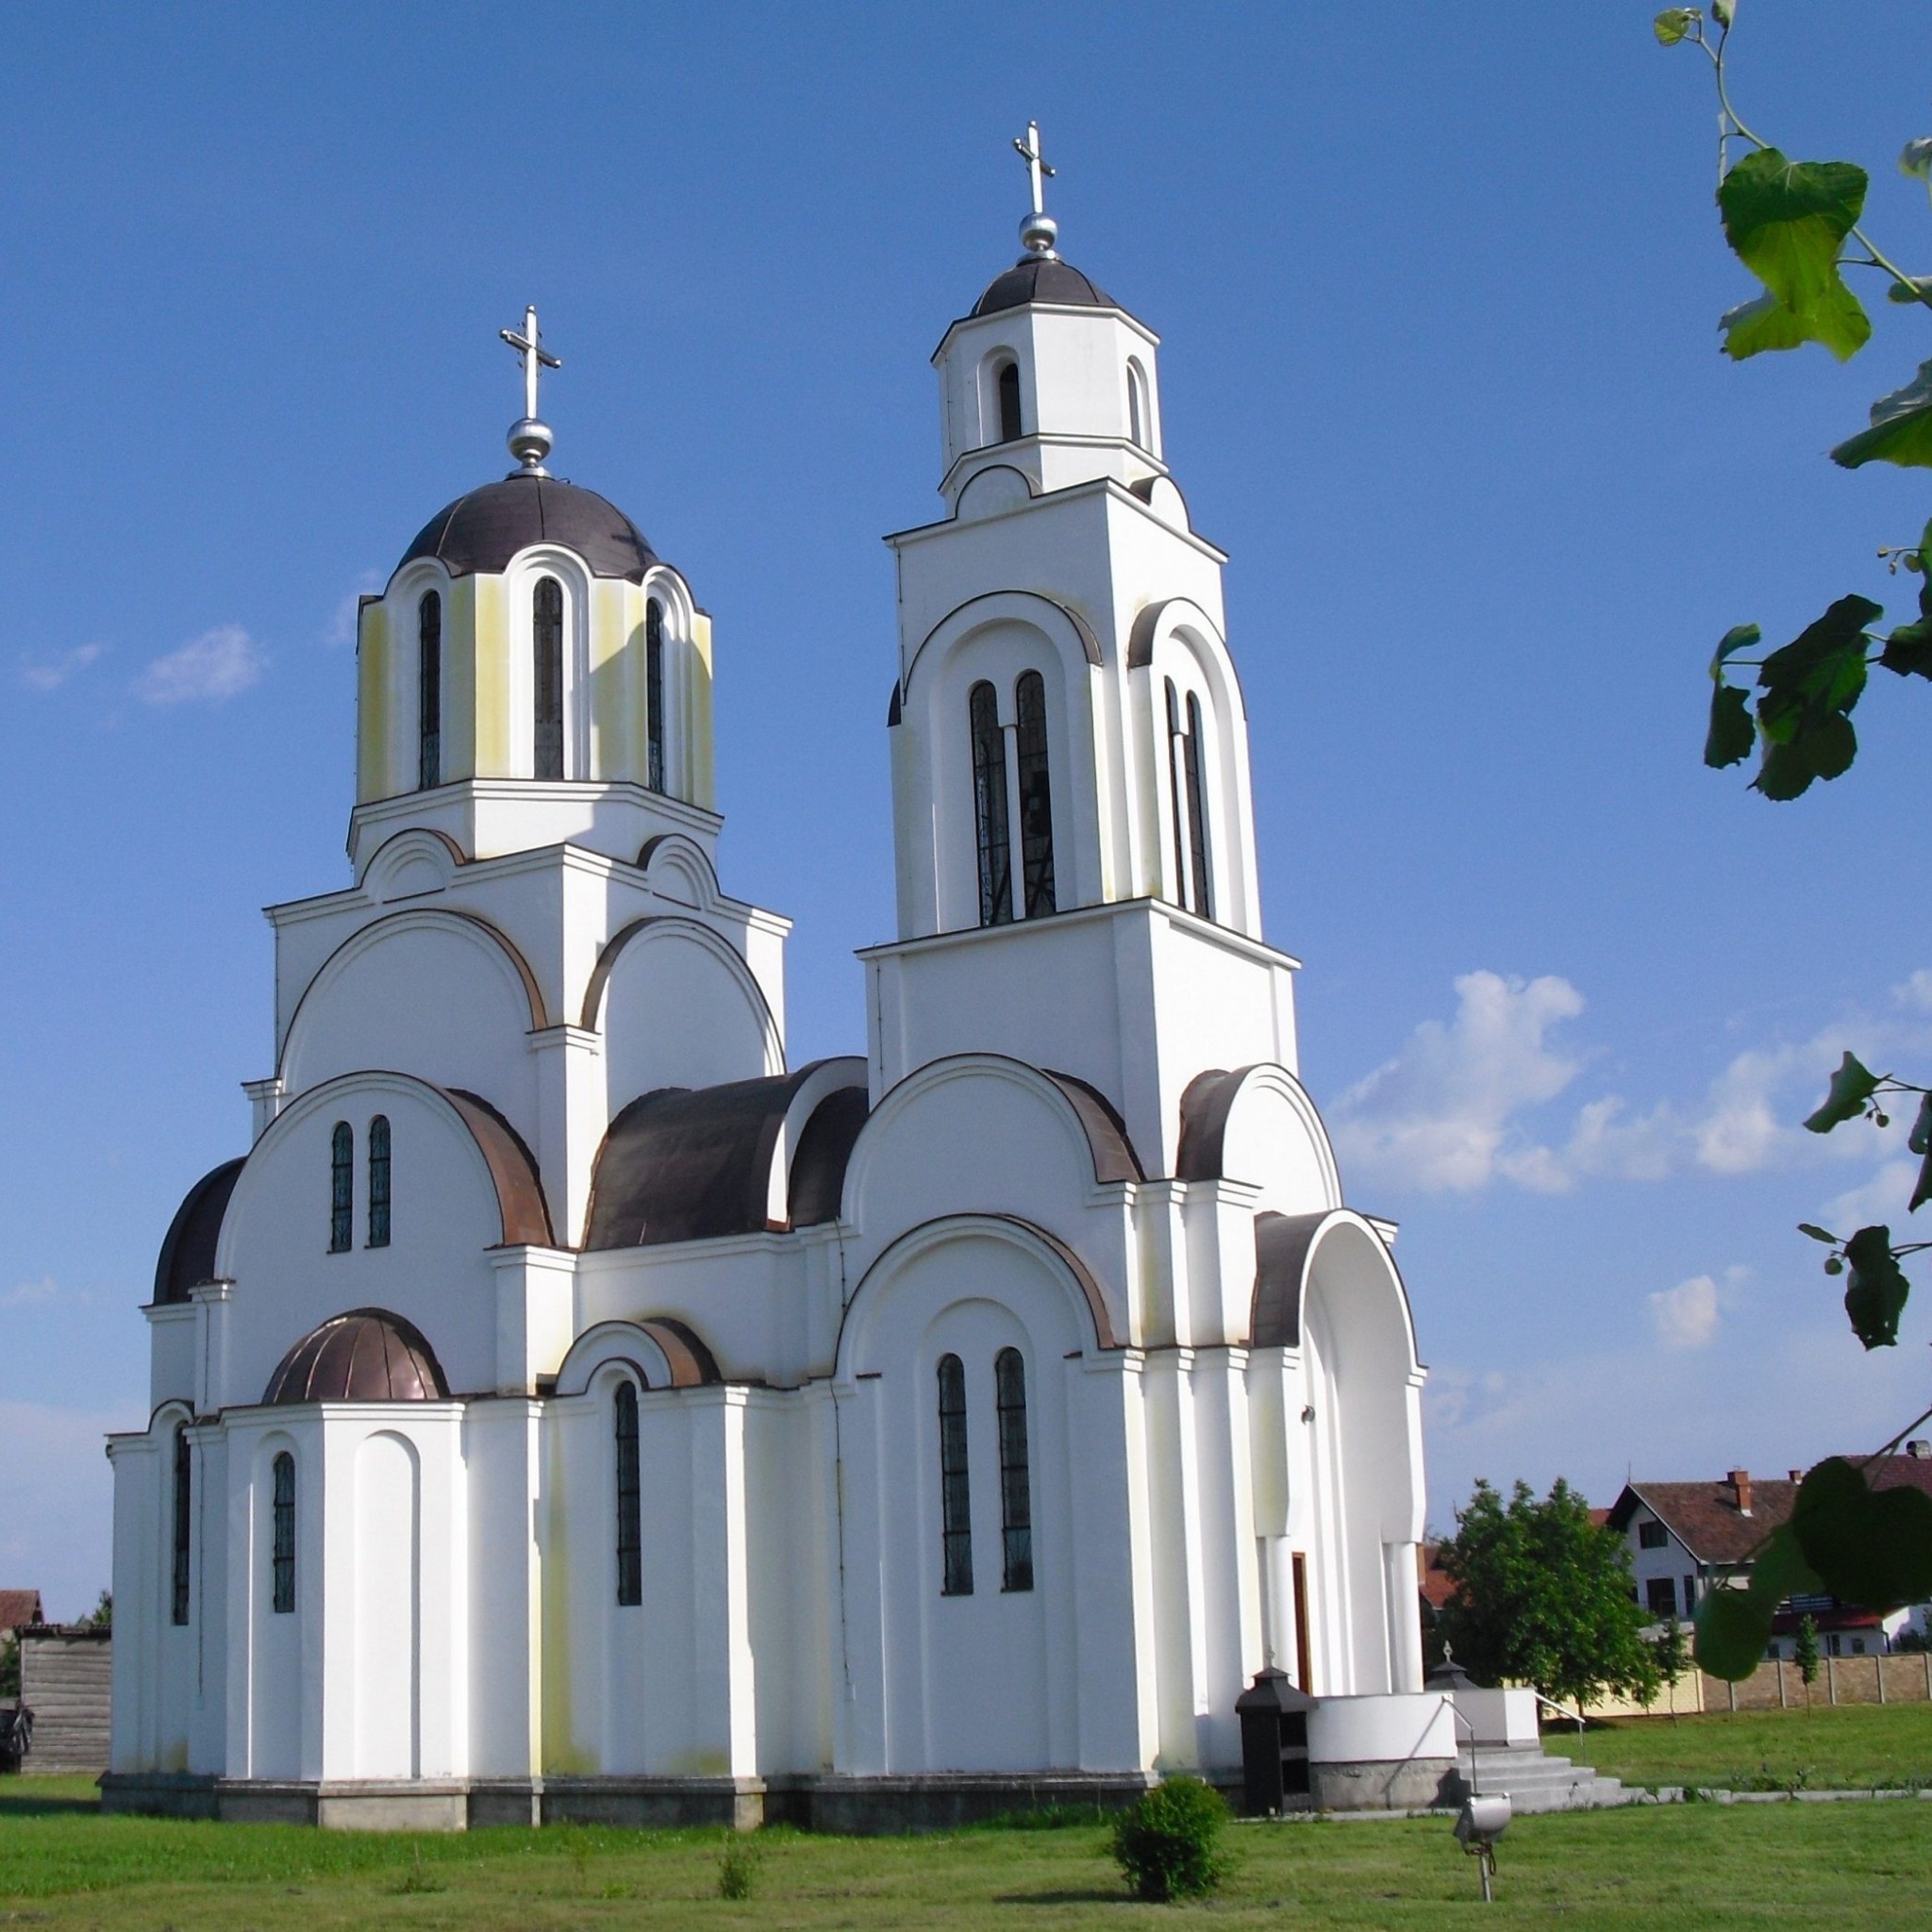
(568, 1408)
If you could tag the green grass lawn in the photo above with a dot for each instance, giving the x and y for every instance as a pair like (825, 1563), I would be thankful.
(1848, 1746)
(62, 1866)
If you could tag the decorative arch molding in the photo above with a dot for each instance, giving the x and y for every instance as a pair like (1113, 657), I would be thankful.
(415, 850)
(1208, 1103)
(661, 1351)
(654, 926)
(507, 1161)
(666, 584)
(1288, 1253)
(171, 1410)
(1063, 627)
(991, 492)
(1058, 1261)
(1091, 1123)
(434, 918)
(677, 868)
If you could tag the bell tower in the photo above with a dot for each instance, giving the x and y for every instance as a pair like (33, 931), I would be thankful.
(1074, 830)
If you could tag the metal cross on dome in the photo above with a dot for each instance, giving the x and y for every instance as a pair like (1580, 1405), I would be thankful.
(1029, 151)
(529, 345)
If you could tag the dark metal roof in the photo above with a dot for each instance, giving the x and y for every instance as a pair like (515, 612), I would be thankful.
(684, 1164)
(1037, 280)
(365, 1355)
(1281, 1260)
(825, 1149)
(525, 1215)
(187, 1252)
(483, 530)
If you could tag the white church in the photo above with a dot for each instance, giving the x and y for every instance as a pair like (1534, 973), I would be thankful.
(568, 1408)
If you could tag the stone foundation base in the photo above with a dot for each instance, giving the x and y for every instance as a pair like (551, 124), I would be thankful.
(1401, 1784)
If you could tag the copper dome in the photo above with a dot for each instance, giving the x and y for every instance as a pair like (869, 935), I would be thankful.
(365, 1355)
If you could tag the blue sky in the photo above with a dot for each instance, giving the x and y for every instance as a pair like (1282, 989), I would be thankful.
(1438, 289)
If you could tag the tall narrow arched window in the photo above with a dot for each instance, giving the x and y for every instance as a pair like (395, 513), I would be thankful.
(653, 694)
(630, 1516)
(1177, 798)
(379, 1181)
(546, 633)
(341, 1189)
(1016, 1494)
(282, 1560)
(956, 1496)
(429, 691)
(1036, 794)
(1009, 386)
(990, 805)
(1198, 855)
(184, 1523)
(1137, 408)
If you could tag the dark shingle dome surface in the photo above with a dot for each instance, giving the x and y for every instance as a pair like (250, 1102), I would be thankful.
(483, 530)
(1037, 280)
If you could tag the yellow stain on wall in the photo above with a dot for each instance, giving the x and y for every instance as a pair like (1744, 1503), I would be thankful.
(562, 1756)
(697, 723)
(459, 749)
(611, 755)
(373, 722)
(489, 654)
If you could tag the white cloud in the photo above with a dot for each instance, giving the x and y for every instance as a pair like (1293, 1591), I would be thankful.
(1883, 1198)
(56, 1501)
(1440, 1114)
(50, 674)
(218, 664)
(45, 1290)
(1686, 1316)
(340, 632)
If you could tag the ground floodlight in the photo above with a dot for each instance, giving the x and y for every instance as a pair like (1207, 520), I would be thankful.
(1478, 1825)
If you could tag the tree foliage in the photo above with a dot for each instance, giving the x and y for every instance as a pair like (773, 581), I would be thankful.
(1805, 1650)
(1796, 225)
(1165, 1841)
(1543, 1597)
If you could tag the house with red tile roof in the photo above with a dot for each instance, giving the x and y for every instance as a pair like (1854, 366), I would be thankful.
(19, 1610)
(1686, 1538)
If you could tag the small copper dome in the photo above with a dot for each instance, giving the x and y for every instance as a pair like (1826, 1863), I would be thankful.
(365, 1355)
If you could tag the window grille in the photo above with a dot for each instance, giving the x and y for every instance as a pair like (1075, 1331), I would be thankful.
(379, 1181)
(341, 1189)
(284, 1541)
(1175, 802)
(429, 691)
(990, 806)
(955, 1500)
(1016, 1500)
(1198, 815)
(630, 1523)
(548, 636)
(653, 694)
(1036, 794)
(1010, 430)
(184, 1521)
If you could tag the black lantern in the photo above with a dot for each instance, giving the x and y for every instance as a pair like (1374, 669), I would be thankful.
(1275, 1742)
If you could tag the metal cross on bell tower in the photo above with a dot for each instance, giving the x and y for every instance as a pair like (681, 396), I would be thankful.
(1039, 231)
(529, 438)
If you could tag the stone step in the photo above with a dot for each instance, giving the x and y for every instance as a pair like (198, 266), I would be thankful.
(1536, 1781)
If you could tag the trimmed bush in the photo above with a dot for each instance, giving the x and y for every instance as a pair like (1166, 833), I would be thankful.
(1164, 1842)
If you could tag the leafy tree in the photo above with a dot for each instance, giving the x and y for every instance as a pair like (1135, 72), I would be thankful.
(1804, 1653)
(102, 1617)
(1164, 1842)
(1672, 1649)
(9, 1667)
(1796, 225)
(1543, 1597)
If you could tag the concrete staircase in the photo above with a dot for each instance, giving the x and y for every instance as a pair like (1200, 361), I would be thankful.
(1534, 1780)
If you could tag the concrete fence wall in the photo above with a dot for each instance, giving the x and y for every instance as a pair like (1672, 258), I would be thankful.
(66, 1680)
(1777, 1684)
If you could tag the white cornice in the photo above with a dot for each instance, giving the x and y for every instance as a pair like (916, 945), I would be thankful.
(1098, 486)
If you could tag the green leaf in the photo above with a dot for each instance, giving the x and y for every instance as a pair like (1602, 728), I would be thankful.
(1740, 637)
(1811, 685)
(1674, 23)
(1826, 662)
(1920, 1138)
(1852, 1086)
(1732, 734)
(1915, 158)
(1922, 1191)
(1786, 222)
(1901, 430)
(1723, 11)
(1918, 289)
(1733, 1629)
(1876, 1291)
(1817, 1233)
(1870, 1548)
(1781, 1569)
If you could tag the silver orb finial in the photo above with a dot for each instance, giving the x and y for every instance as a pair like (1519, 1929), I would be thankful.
(529, 438)
(1039, 231)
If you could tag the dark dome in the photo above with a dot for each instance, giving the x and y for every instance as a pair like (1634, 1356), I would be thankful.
(188, 1254)
(483, 530)
(365, 1355)
(1038, 279)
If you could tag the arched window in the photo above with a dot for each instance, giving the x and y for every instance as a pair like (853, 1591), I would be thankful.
(283, 1560)
(956, 1499)
(630, 1518)
(429, 691)
(1036, 794)
(379, 1181)
(1136, 406)
(653, 694)
(1009, 386)
(1198, 815)
(1177, 806)
(341, 1189)
(546, 631)
(1016, 1497)
(184, 1522)
(990, 805)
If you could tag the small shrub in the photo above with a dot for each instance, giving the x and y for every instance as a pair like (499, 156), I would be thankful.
(417, 1879)
(738, 1869)
(1164, 1842)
